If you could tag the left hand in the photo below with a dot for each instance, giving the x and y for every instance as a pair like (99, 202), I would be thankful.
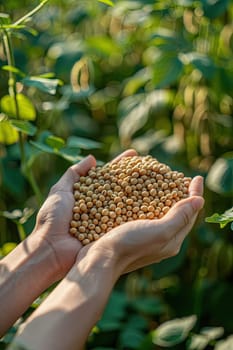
(54, 217)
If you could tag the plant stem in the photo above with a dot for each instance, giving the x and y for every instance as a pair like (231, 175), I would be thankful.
(13, 92)
(22, 233)
(12, 87)
(30, 14)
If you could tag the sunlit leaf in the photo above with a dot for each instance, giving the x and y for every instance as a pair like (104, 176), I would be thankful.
(13, 70)
(107, 2)
(44, 84)
(8, 134)
(221, 219)
(103, 45)
(18, 215)
(26, 110)
(24, 126)
(207, 334)
(212, 332)
(137, 81)
(173, 332)
(198, 342)
(226, 344)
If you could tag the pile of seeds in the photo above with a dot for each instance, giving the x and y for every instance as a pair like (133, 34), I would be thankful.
(132, 188)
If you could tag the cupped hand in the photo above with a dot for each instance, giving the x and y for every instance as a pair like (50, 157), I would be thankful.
(142, 242)
(53, 219)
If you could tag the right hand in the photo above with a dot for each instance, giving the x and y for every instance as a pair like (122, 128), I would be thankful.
(142, 242)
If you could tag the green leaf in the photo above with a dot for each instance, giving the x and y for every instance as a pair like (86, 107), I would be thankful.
(13, 70)
(42, 147)
(44, 84)
(23, 126)
(221, 219)
(55, 142)
(8, 134)
(103, 45)
(173, 332)
(26, 110)
(167, 69)
(107, 2)
(137, 81)
(70, 154)
(130, 338)
(220, 176)
(81, 142)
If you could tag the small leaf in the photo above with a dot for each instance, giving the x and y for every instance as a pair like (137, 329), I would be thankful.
(42, 147)
(26, 110)
(13, 70)
(173, 332)
(44, 84)
(107, 2)
(8, 134)
(221, 219)
(24, 126)
(55, 142)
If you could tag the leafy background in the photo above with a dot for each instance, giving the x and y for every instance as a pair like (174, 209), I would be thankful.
(100, 77)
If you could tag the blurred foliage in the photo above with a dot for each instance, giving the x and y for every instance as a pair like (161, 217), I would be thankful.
(155, 75)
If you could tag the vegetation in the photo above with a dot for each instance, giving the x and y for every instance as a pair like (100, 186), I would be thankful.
(101, 76)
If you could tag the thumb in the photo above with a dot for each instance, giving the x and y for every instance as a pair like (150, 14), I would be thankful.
(73, 174)
(183, 214)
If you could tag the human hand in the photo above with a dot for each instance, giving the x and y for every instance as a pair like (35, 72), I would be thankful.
(53, 219)
(142, 242)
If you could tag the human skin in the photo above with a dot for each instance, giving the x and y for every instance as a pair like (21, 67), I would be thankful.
(65, 318)
(49, 253)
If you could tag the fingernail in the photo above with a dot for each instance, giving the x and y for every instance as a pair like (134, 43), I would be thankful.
(198, 203)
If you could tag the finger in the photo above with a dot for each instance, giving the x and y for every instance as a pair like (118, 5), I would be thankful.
(182, 215)
(196, 186)
(127, 153)
(73, 174)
